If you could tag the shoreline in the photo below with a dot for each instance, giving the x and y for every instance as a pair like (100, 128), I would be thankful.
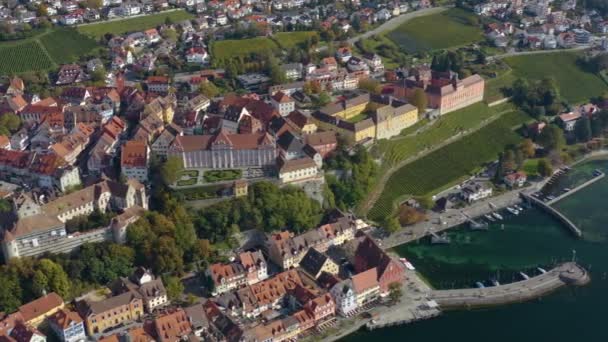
(504, 199)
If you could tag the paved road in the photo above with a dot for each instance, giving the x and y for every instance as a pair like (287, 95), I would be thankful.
(455, 217)
(538, 52)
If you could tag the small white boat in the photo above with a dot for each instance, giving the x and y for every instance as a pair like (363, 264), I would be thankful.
(489, 217)
(518, 208)
(495, 282)
(523, 275)
(407, 264)
(513, 211)
(497, 215)
(479, 285)
(541, 270)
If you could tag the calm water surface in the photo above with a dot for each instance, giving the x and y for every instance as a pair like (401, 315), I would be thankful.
(525, 242)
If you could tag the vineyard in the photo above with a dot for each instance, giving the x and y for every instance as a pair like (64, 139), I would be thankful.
(134, 24)
(22, 57)
(288, 40)
(449, 125)
(448, 164)
(66, 45)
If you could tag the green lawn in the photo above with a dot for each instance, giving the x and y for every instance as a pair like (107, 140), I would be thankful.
(133, 24)
(227, 49)
(66, 45)
(222, 175)
(437, 31)
(447, 126)
(494, 87)
(449, 164)
(575, 84)
(357, 118)
(288, 40)
(530, 167)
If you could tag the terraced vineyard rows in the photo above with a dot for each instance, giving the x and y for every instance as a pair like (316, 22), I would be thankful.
(451, 124)
(66, 45)
(22, 57)
(448, 164)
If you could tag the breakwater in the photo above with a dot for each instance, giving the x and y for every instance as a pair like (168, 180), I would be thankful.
(565, 274)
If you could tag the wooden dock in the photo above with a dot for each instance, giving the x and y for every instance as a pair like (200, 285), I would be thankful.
(582, 186)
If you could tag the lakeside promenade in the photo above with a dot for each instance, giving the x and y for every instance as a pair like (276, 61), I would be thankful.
(437, 223)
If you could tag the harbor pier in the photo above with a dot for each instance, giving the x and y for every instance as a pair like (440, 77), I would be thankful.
(565, 274)
(546, 207)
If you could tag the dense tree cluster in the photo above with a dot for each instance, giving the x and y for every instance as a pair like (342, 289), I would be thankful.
(266, 208)
(538, 98)
(354, 178)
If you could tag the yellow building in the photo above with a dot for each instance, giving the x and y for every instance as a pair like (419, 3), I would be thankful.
(348, 108)
(36, 311)
(111, 312)
(240, 188)
(393, 118)
(314, 263)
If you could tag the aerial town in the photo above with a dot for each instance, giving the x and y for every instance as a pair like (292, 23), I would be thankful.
(244, 170)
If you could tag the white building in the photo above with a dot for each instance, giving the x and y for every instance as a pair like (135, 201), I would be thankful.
(134, 159)
(476, 191)
(283, 103)
(345, 297)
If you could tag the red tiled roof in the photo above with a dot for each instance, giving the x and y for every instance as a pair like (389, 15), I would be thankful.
(40, 306)
(365, 280)
(134, 154)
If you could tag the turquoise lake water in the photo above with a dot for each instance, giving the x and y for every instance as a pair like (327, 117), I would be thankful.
(532, 239)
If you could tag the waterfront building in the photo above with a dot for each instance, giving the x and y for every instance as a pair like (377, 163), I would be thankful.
(345, 297)
(366, 287)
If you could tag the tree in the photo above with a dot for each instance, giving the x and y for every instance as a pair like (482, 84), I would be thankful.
(395, 291)
(544, 168)
(52, 278)
(323, 99)
(419, 100)
(370, 85)
(582, 129)
(171, 169)
(174, 287)
(391, 224)
(95, 4)
(10, 292)
(409, 215)
(425, 202)
(169, 34)
(42, 11)
(99, 74)
(527, 147)
(552, 138)
(10, 122)
(209, 89)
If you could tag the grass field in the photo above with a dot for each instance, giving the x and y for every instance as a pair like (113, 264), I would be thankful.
(133, 24)
(288, 40)
(438, 31)
(66, 45)
(448, 164)
(494, 87)
(449, 125)
(226, 49)
(22, 57)
(575, 84)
